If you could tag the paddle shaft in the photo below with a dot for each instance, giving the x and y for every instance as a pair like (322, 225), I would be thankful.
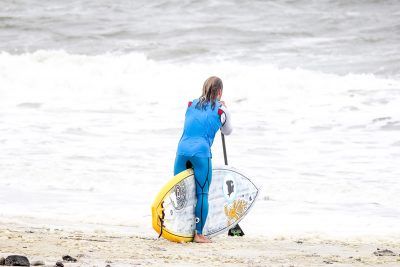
(237, 228)
(224, 148)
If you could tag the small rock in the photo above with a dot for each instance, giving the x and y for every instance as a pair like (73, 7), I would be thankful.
(68, 258)
(108, 265)
(2, 261)
(384, 252)
(59, 264)
(16, 260)
(159, 249)
(37, 263)
(328, 262)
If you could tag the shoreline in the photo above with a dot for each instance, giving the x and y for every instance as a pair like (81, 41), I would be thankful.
(101, 248)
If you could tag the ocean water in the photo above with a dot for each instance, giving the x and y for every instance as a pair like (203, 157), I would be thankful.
(93, 96)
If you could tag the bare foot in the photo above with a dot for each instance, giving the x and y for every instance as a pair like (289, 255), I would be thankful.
(201, 239)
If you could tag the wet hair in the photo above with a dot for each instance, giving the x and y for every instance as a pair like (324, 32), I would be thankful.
(210, 92)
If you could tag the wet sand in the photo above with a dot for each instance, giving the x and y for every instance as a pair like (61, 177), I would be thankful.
(102, 248)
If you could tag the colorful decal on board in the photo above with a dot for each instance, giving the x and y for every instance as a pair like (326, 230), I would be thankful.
(235, 210)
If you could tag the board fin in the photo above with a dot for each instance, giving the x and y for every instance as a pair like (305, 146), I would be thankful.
(236, 231)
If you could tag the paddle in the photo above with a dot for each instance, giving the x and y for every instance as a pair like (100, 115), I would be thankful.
(224, 148)
(235, 231)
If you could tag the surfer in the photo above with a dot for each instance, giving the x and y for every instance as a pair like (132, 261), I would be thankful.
(204, 117)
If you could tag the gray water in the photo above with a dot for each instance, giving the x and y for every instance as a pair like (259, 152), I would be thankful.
(331, 36)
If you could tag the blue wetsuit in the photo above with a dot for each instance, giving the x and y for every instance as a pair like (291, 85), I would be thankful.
(194, 150)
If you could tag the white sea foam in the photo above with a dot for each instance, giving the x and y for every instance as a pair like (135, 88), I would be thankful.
(91, 139)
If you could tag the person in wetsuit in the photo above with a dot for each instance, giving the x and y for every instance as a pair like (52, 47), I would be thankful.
(204, 117)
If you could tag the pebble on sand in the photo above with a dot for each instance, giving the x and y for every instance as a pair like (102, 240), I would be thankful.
(16, 260)
(384, 252)
(68, 258)
(38, 263)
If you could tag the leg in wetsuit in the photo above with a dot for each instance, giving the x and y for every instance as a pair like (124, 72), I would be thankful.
(202, 173)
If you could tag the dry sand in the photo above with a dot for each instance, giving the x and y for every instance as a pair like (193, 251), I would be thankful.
(104, 248)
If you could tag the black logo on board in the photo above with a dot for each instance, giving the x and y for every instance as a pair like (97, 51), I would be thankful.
(180, 196)
(231, 187)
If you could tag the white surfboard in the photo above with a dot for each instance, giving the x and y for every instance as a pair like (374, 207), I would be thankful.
(230, 198)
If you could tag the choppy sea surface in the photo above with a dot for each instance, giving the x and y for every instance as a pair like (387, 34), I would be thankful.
(93, 96)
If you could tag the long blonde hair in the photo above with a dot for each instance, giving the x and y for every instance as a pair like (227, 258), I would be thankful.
(210, 92)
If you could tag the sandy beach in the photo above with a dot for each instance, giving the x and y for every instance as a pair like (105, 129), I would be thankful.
(100, 248)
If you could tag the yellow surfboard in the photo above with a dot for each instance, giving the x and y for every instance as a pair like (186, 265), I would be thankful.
(231, 196)
(157, 209)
